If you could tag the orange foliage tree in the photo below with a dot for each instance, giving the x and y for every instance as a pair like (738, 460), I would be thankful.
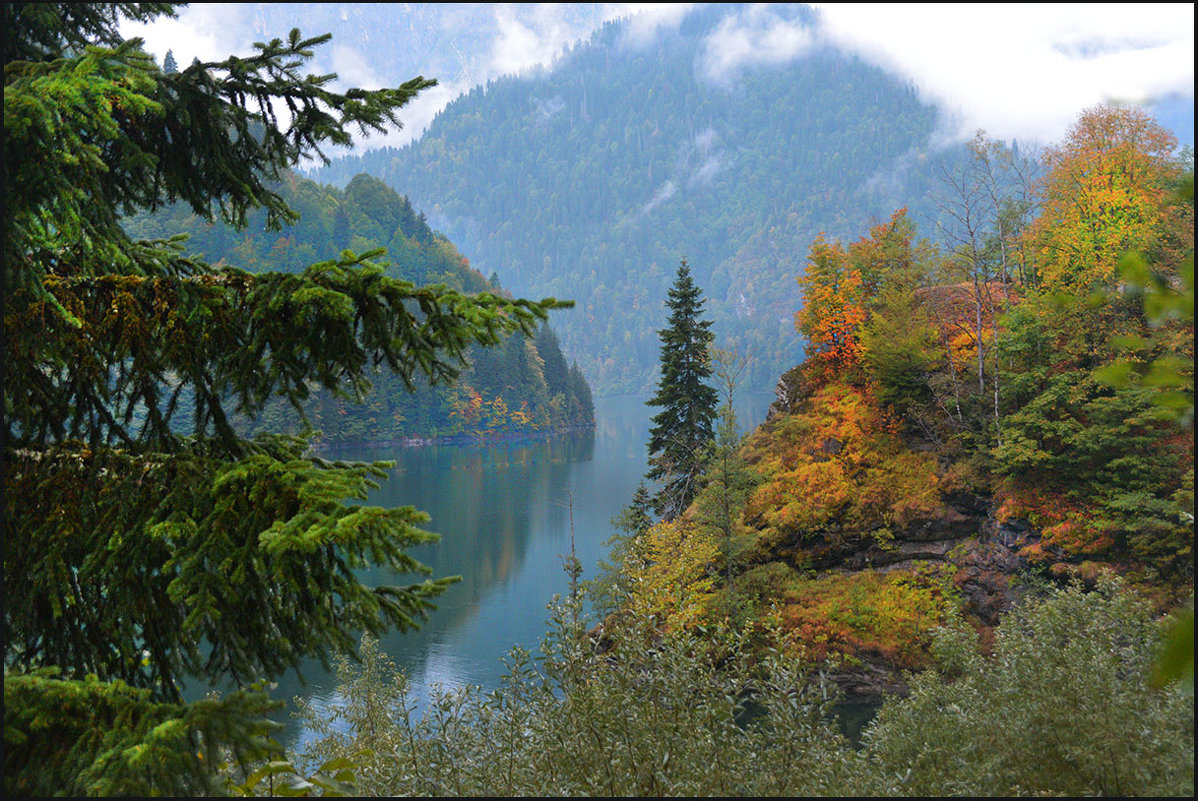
(839, 283)
(1106, 192)
(837, 460)
(833, 306)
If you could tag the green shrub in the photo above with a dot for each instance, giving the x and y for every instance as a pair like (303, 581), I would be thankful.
(661, 715)
(1062, 707)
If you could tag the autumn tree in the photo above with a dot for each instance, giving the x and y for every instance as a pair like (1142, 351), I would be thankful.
(1106, 192)
(682, 430)
(146, 543)
(840, 284)
(1097, 464)
(670, 573)
(833, 306)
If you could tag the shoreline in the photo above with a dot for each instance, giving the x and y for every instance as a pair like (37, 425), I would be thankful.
(482, 438)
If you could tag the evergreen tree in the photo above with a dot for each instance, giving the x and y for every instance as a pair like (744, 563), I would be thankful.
(555, 368)
(682, 430)
(582, 405)
(169, 65)
(341, 227)
(141, 549)
(727, 481)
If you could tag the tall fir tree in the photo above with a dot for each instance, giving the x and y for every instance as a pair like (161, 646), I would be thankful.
(138, 556)
(682, 431)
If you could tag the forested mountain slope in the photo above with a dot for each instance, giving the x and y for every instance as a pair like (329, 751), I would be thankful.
(968, 424)
(591, 182)
(518, 387)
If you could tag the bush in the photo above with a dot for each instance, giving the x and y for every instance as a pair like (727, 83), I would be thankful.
(1062, 707)
(661, 715)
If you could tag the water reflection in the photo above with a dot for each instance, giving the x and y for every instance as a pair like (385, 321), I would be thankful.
(503, 512)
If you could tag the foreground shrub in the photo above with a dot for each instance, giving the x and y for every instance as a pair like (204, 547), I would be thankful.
(1064, 706)
(681, 714)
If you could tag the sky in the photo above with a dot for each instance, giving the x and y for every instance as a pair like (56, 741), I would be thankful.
(1018, 71)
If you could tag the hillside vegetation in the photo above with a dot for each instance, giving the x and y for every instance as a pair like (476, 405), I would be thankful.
(978, 441)
(522, 386)
(594, 179)
(968, 422)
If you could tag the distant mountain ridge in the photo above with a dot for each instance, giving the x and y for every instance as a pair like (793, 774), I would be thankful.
(593, 180)
(519, 387)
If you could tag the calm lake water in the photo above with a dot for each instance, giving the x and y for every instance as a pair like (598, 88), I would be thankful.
(503, 513)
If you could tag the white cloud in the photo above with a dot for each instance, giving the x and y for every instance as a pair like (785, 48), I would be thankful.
(646, 21)
(707, 171)
(529, 35)
(1017, 70)
(415, 117)
(754, 37)
(518, 45)
(1023, 71)
(704, 148)
(663, 193)
(354, 69)
(207, 31)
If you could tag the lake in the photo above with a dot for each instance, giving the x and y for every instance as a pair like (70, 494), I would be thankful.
(503, 512)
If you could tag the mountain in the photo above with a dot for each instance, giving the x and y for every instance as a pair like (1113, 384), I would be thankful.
(593, 180)
(459, 44)
(520, 386)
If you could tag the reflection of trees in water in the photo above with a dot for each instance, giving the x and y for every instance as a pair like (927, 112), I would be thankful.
(485, 501)
(492, 504)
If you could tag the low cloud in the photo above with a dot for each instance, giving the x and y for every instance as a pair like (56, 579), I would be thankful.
(354, 69)
(548, 109)
(1019, 71)
(649, 20)
(521, 43)
(755, 37)
(663, 193)
(1022, 71)
(707, 171)
(704, 150)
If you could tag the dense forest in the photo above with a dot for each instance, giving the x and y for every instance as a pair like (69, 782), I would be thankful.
(594, 179)
(521, 387)
(972, 502)
(982, 472)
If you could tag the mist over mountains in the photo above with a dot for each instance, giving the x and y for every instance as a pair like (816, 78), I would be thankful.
(730, 139)
(592, 181)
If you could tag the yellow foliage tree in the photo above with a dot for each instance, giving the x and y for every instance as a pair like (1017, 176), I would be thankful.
(1106, 192)
(833, 306)
(672, 570)
(838, 460)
